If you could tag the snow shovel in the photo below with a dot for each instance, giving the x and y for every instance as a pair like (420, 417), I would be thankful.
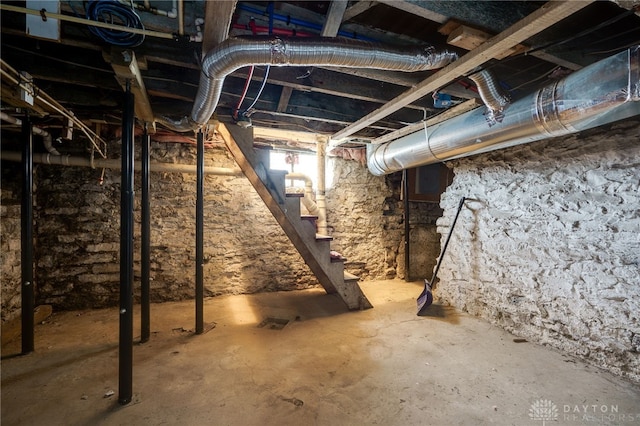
(426, 297)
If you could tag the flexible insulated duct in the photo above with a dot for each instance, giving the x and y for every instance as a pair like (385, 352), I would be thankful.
(235, 53)
(493, 96)
(601, 93)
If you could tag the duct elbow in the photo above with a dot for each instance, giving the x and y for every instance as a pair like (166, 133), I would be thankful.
(234, 53)
(492, 94)
(441, 59)
(183, 125)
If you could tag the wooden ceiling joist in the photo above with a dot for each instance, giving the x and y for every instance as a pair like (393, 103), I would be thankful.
(217, 18)
(549, 14)
(334, 18)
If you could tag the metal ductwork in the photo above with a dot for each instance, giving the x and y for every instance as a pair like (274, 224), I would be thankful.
(493, 96)
(235, 53)
(601, 93)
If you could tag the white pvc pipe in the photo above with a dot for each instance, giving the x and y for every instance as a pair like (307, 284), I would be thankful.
(173, 13)
(101, 163)
(77, 20)
(320, 197)
(47, 139)
(307, 200)
(47, 100)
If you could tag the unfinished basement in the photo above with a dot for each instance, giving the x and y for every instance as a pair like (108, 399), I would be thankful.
(392, 212)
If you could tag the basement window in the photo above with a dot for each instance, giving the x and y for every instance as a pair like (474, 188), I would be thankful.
(295, 162)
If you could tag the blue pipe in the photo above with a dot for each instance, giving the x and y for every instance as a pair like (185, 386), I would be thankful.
(270, 10)
(299, 22)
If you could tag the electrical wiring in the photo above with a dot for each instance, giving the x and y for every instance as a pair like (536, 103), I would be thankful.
(244, 92)
(264, 83)
(581, 33)
(617, 49)
(545, 75)
(52, 104)
(246, 112)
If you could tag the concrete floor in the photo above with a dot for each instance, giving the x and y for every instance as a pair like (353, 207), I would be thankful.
(327, 366)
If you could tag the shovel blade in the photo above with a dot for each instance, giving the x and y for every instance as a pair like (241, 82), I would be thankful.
(425, 299)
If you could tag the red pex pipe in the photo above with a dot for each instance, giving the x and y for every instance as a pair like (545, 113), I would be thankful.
(256, 29)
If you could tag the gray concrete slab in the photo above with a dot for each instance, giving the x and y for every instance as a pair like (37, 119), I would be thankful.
(326, 366)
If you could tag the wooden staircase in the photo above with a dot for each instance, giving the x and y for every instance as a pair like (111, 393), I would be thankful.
(301, 230)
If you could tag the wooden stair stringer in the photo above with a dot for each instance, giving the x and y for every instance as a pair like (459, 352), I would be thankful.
(316, 255)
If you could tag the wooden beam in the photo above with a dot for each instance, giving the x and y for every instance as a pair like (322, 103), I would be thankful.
(285, 95)
(549, 14)
(329, 83)
(415, 10)
(217, 20)
(445, 115)
(334, 18)
(284, 135)
(357, 9)
(125, 66)
(469, 38)
(172, 62)
(556, 60)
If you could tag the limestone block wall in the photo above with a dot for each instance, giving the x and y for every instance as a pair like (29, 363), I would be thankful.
(366, 218)
(369, 238)
(78, 223)
(10, 241)
(77, 228)
(551, 251)
(77, 231)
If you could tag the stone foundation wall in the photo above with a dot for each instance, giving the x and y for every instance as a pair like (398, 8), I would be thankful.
(551, 251)
(365, 214)
(245, 250)
(10, 239)
(77, 231)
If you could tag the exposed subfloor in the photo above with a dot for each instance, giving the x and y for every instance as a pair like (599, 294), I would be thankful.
(326, 366)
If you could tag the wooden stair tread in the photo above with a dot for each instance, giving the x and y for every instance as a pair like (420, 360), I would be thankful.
(285, 208)
(336, 257)
(308, 217)
(350, 277)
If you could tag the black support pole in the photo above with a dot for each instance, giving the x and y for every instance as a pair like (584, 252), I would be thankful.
(200, 236)
(407, 229)
(145, 236)
(26, 243)
(125, 389)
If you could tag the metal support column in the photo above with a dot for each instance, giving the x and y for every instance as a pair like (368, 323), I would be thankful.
(125, 371)
(407, 228)
(26, 243)
(145, 237)
(200, 235)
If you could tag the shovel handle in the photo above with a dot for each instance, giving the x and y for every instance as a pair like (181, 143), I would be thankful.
(446, 243)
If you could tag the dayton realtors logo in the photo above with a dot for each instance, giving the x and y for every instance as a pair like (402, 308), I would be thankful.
(597, 413)
(543, 410)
